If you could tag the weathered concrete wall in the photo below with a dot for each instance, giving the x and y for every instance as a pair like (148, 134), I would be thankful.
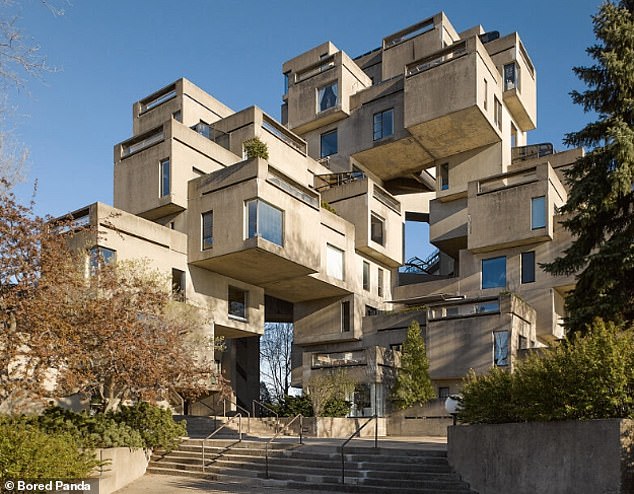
(124, 466)
(399, 425)
(338, 427)
(580, 457)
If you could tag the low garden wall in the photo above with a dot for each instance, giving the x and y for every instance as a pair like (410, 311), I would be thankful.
(580, 457)
(418, 426)
(124, 465)
(339, 427)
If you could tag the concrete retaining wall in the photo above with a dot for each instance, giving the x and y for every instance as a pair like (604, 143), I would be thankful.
(580, 457)
(124, 466)
(417, 426)
(338, 427)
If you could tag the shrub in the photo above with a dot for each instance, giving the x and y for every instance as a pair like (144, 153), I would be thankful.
(292, 406)
(255, 148)
(336, 408)
(27, 452)
(155, 425)
(589, 377)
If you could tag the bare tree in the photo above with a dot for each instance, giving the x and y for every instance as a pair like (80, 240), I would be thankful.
(275, 358)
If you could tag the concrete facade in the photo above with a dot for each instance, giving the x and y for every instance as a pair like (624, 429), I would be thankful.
(431, 126)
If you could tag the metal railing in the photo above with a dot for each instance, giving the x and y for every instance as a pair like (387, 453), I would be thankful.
(238, 407)
(239, 418)
(359, 429)
(270, 441)
(268, 409)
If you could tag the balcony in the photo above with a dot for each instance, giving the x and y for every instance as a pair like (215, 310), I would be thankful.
(452, 99)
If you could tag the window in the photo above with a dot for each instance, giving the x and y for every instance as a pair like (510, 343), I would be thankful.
(371, 311)
(444, 176)
(327, 97)
(328, 143)
(101, 256)
(538, 212)
(345, 316)
(501, 348)
(511, 76)
(497, 112)
(522, 343)
(379, 283)
(366, 275)
(266, 221)
(486, 95)
(376, 229)
(494, 272)
(178, 283)
(237, 301)
(334, 262)
(383, 124)
(396, 347)
(513, 136)
(528, 267)
(178, 116)
(208, 230)
(443, 393)
(165, 177)
(286, 82)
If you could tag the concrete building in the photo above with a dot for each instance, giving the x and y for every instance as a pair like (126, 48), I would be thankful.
(432, 127)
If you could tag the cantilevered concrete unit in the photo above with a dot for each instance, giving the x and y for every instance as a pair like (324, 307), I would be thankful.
(431, 126)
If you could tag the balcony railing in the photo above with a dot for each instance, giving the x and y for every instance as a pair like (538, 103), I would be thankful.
(380, 195)
(454, 51)
(525, 153)
(294, 190)
(465, 310)
(507, 181)
(158, 100)
(283, 134)
(339, 359)
(335, 179)
(322, 66)
(135, 147)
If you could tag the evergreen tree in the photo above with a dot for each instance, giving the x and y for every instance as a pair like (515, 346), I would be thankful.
(413, 385)
(601, 198)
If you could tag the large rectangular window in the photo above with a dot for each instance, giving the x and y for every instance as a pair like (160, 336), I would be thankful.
(207, 230)
(377, 227)
(494, 272)
(501, 341)
(366, 275)
(538, 212)
(165, 177)
(266, 221)
(528, 267)
(334, 262)
(328, 143)
(327, 97)
(345, 316)
(237, 301)
(383, 124)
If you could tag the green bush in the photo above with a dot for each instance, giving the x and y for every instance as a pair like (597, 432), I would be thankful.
(27, 452)
(292, 406)
(155, 425)
(255, 148)
(336, 408)
(589, 377)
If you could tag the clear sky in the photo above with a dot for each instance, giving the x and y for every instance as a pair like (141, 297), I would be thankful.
(110, 53)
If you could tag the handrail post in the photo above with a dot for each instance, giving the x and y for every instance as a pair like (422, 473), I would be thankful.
(240, 426)
(301, 429)
(266, 454)
(253, 408)
(203, 455)
(376, 431)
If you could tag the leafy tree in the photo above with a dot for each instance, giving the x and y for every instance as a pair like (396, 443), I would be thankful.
(326, 390)
(601, 198)
(413, 385)
(588, 377)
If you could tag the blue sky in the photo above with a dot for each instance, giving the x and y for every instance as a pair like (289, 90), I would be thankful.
(111, 53)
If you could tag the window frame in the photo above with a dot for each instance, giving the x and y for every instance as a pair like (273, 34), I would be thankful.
(379, 221)
(365, 278)
(210, 243)
(505, 357)
(527, 258)
(379, 282)
(346, 314)
(329, 267)
(497, 112)
(482, 273)
(541, 222)
(257, 231)
(243, 314)
(326, 134)
(443, 171)
(165, 182)
(381, 134)
(321, 92)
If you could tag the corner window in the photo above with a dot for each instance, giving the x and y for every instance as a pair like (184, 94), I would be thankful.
(345, 316)
(334, 262)
(237, 302)
(501, 342)
(327, 97)
(366, 275)
(266, 221)
(101, 256)
(494, 272)
(379, 283)
(497, 112)
(528, 267)
(444, 176)
(207, 230)
(511, 76)
(377, 227)
(165, 177)
(538, 212)
(328, 143)
(383, 124)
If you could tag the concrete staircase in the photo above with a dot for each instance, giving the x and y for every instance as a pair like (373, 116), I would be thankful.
(316, 466)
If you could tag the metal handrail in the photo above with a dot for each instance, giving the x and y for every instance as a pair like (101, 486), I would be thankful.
(359, 429)
(301, 438)
(237, 416)
(248, 414)
(268, 409)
